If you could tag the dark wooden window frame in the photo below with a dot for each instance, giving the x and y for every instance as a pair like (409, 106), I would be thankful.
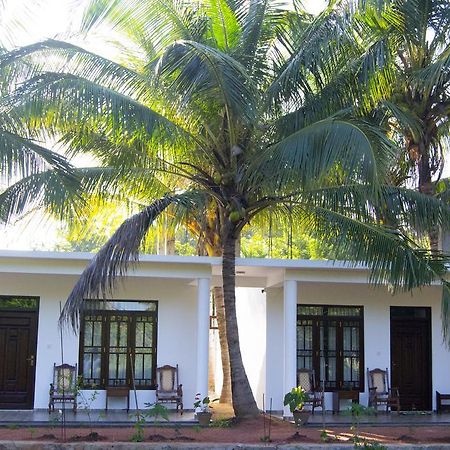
(131, 347)
(341, 319)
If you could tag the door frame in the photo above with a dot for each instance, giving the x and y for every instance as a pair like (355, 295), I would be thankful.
(428, 337)
(33, 313)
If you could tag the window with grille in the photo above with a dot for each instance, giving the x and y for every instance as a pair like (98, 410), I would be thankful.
(118, 344)
(330, 340)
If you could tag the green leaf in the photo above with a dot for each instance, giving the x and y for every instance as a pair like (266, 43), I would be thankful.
(224, 24)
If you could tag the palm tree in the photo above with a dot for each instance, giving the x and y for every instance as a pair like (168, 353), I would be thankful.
(415, 38)
(216, 106)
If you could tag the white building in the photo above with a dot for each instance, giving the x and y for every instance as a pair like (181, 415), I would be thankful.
(291, 314)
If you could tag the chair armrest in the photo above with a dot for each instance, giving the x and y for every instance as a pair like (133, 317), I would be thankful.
(52, 389)
(394, 391)
(319, 396)
(180, 390)
(373, 393)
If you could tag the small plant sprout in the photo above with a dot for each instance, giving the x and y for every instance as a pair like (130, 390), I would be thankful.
(86, 401)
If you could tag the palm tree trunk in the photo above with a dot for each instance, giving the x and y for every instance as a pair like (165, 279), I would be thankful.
(244, 404)
(212, 364)
(209, 246)
(426, 186)
(225, 394)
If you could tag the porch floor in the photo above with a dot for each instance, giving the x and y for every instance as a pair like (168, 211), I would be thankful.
(97, 418)
(382, 419)
(122, 418)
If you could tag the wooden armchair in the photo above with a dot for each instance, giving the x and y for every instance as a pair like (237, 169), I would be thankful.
(64, 386)
(307, 380)
(168, 389)
(379, 391)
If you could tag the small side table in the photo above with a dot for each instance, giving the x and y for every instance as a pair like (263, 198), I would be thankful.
(344, 395)
(118, 391)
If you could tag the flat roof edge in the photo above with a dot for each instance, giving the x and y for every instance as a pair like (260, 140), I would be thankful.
(255, 262)
(87, 256)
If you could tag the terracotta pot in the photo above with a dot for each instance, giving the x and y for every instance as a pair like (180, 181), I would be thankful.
(204, 418)
(301, 417)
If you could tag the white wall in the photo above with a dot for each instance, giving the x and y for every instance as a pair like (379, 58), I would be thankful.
(376, 302)
(177, 328)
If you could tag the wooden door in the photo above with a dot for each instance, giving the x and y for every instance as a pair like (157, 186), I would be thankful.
(411, 356)
(17, 358)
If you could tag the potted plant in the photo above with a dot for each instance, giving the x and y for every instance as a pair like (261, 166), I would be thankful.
(296, 399)
(202, 409)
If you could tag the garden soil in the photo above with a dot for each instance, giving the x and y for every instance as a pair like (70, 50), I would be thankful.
(229, 431)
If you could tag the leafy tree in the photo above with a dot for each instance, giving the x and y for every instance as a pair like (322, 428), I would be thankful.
(217, 105)
(281, 238)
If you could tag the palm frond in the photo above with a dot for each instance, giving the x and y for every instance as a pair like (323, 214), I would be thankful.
(121, 152)
(155, 23)
(404, 116)
(135, 184)
(261, 22)
(434, 79)
(65, 57)
(112, 261)
(66, 98)
(48, 190)
(309, 154)
(391, 256)
(224, 24)
(414, 209)
(406, 207)
(323, 36)
(97, 11)
(197, 71)
(22, 157)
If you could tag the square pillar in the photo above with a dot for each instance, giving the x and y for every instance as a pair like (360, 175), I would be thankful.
(290, 338)
(203, 298)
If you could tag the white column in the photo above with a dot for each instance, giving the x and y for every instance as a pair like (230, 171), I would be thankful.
(203, 297)
(290, 338)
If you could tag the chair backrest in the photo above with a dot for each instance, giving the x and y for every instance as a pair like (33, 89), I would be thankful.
(167, 378)
(378, 379)
(65, 378)
(306, 379)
